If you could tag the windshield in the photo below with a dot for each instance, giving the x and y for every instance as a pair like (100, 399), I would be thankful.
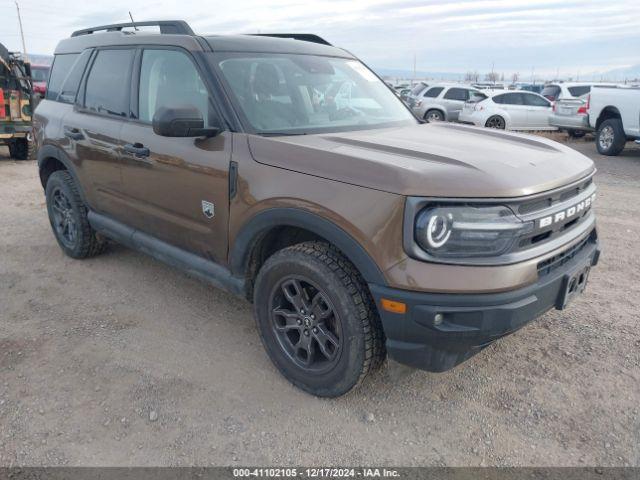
(418, 88)
(299, 94)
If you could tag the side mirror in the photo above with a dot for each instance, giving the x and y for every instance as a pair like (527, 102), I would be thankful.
(184, 121)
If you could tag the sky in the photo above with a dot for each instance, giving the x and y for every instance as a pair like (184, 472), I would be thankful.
(546, 37)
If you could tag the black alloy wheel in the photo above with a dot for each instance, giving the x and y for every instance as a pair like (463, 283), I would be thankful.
(306, 324)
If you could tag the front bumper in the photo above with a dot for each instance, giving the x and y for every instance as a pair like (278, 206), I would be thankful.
(471, 321)
(573, 122)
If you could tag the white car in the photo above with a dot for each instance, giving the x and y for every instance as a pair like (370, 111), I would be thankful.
(558, 91)
(508, 110)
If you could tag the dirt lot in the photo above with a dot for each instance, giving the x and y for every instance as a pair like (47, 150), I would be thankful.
(120, 360)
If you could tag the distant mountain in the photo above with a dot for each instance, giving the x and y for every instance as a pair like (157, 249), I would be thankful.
(626, 73)
(40, 59)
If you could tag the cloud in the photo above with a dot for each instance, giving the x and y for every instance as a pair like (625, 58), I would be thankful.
(442, 35)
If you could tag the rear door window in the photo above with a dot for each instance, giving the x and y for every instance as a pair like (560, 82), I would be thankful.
(433, 92)
(509, 99)
(109, 82)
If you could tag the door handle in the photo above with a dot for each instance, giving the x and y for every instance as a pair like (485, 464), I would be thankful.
(137, 149)
(73, 133)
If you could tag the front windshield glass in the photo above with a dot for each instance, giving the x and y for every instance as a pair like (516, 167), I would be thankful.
(299, 94)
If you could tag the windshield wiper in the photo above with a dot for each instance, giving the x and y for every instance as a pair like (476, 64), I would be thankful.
(281, 134)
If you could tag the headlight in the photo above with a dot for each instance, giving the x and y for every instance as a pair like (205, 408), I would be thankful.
(467, 231)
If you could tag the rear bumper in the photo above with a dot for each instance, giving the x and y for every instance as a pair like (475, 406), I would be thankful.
(470, 322)
(575, 122)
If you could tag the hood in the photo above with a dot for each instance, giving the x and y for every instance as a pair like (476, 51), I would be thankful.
(436, 159)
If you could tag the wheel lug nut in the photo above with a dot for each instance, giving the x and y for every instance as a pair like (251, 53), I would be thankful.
(315, 330)
(299, 322)
(302, 311)
(306, 332)
(313, 317)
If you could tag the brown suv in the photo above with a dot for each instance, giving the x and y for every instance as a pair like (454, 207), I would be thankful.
(285, 171)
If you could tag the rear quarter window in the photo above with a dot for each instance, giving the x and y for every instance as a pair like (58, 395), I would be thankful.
(579, 91)
(60, 70)
(433, 92)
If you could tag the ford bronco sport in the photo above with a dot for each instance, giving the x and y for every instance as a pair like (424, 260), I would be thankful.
(282, 169)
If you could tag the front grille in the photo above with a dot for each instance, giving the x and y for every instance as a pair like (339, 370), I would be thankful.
(553, 198)
(549, 265)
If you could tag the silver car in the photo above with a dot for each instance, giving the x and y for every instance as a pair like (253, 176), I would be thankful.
(570, 107)
(571, 114)
(416, 92)
(443, 102)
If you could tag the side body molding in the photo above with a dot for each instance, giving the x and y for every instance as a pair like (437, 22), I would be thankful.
(195, 265)
(293, 217)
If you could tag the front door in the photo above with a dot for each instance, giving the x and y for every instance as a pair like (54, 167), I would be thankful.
(176, 189)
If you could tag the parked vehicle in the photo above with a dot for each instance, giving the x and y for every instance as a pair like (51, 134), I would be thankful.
(530, 87)
(354, 229)
(488, 86)
(615, 115)
(443, 102)
(570, 115)
(15, 104)
(39, 77)
(564, 90)
(416, 92)
(404, 94)
(508, 110)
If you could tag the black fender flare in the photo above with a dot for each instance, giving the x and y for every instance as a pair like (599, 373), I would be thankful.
(294, 217)
(46, 152)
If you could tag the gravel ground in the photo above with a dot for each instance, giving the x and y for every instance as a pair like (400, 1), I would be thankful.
(120, 360)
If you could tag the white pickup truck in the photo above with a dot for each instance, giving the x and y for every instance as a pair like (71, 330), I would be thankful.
(614, 112)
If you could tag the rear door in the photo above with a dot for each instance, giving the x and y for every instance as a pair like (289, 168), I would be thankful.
(538, 110)
(179, 190)
(513, 104)
(92, 128)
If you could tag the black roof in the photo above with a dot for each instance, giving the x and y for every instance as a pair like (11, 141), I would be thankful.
(178, 33)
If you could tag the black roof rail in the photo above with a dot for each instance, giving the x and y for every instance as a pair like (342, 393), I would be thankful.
(179, 27)
(305, 37)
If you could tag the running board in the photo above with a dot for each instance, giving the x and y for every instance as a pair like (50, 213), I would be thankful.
(195, 265)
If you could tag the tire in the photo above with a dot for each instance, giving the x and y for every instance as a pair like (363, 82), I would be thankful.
(496, 121)
(610, 138)
(434, 116)
(316, 276)
(19, 149)
(68, 217)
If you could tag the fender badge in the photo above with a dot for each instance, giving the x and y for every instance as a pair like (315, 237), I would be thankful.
(208, 209)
